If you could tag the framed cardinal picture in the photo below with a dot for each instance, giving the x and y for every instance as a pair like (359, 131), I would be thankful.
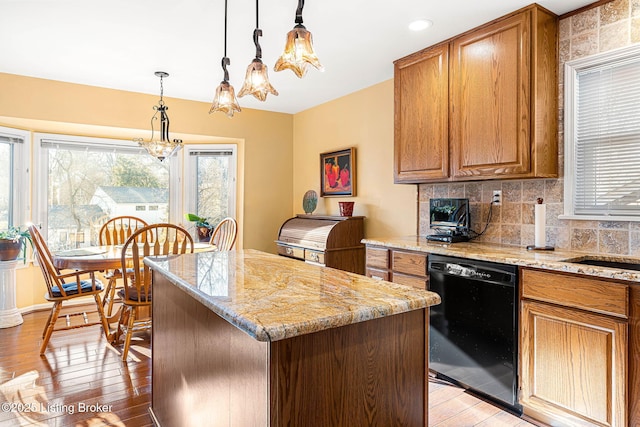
(338, 173)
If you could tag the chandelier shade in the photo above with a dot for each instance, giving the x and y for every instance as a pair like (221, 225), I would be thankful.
(256, 81)
(298, 50)
(224, 99)
(164, 147)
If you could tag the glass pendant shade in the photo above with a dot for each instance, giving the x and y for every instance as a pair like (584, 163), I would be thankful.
(225, 100)
(256, 81)
(298, 52)
(165, 147)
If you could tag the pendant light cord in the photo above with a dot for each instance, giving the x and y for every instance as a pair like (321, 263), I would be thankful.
(225, 28)
(225, 60)
(161, 91)
(257, 11)
(299, 12)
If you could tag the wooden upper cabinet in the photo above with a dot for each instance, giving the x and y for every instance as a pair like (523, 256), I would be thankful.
(502, 104)
(421, 116)
(490, 95)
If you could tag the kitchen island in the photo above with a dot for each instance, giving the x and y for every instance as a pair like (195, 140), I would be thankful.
(245, 338)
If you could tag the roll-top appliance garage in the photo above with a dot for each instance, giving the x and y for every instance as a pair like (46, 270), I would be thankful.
(332, 241)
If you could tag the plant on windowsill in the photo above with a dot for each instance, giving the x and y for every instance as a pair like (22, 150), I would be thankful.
(13, 242)
(203, 227)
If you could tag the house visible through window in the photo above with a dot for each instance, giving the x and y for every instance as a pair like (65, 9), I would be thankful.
(85, 181)
(602, 136)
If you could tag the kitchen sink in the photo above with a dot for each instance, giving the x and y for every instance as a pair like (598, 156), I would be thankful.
(622, 263)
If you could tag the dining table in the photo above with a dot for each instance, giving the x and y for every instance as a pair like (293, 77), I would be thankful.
(103, 258)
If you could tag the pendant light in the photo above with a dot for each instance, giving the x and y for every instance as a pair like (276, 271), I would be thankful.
(298, 52)
(165, 147)
(225, 97)
(256, 81)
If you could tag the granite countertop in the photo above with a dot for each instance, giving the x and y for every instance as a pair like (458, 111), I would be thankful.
(273, 298)
(549, 260)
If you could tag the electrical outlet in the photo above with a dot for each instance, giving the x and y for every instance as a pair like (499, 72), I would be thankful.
(497, 197)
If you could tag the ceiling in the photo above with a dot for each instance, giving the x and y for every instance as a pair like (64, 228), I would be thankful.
(119, 44)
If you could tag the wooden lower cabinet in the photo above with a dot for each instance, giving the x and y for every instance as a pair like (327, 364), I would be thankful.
(397, 266)
(574, 366)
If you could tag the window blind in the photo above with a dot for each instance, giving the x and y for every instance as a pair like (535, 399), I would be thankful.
(607, 139)
(10, 139)
(106, 146)
(211, 153)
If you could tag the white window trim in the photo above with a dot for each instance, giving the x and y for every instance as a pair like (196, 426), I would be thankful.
(41, 168)
(21, 205)
(189, 185)
(21, 169)
(571, 69)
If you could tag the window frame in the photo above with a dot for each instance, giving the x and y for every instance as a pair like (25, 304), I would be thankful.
(20, 203)
(571, 70)
(190, 179)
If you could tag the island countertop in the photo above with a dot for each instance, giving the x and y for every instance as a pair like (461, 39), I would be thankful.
(273, 298)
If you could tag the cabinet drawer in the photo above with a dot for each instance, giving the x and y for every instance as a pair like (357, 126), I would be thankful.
(291, 251)
(576, 291)
(377, 258)
(403, 279)
(374, 273)
(314, 256)
(409, 263)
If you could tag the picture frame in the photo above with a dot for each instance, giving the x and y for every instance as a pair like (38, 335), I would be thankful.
(338, 173)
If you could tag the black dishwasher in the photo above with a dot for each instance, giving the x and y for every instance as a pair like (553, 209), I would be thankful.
(473, 333)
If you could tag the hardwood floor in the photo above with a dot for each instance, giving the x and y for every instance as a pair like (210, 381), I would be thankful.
(451, 406)
(80, 370)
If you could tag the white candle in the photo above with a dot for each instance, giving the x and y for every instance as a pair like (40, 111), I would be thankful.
(540, 234)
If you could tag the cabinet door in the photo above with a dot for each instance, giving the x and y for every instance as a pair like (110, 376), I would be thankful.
(574, 366)
(490, 100)
(421, 116)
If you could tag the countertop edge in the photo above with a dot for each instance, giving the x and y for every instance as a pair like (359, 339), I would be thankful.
(514, 255)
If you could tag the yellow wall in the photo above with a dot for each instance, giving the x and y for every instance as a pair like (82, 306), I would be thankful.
(364, 120)
(279, 153)
(265, 144)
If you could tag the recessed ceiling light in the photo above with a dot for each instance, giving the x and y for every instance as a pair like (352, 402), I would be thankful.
(420, 24)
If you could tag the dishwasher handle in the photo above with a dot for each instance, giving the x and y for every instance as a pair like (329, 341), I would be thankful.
(473, 272)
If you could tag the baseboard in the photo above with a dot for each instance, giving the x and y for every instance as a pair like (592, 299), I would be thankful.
(47, 305)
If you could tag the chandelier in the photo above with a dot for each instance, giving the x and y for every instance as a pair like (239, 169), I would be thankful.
(165, 147)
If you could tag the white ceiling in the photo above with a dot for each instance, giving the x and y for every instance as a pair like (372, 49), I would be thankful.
(119, 44)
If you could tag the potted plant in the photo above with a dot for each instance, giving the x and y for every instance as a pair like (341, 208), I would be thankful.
(203, 227)
(13, 241)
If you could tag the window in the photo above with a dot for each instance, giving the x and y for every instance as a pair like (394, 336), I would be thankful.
(210, 181)
(14, 180)
(84, 181)
(602, 136)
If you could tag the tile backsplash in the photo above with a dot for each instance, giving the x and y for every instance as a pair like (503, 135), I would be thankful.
(512, 223)
(609, 26)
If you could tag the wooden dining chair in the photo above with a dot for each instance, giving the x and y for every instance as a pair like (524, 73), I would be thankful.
(225, 234)
(62, 287)
(116, 231)
(153, 240)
